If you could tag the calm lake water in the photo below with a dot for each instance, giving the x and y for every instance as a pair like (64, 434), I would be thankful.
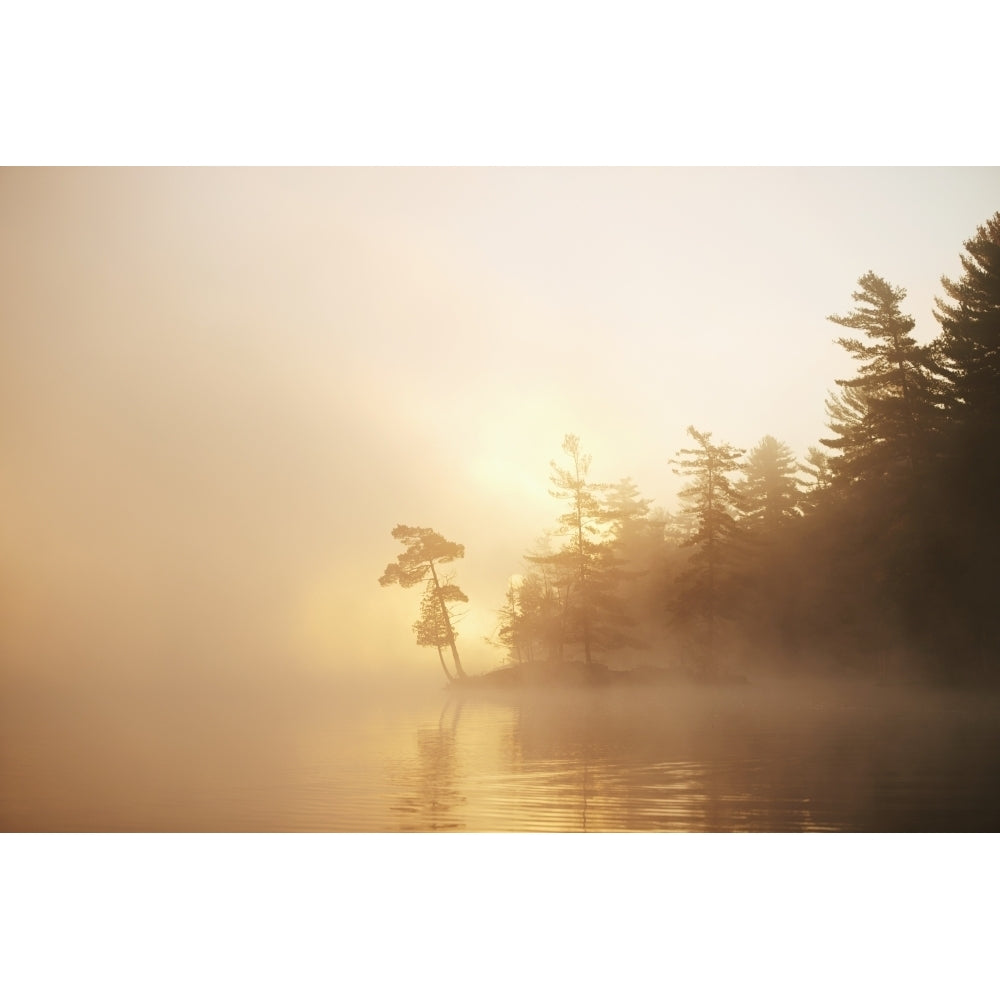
(764, 757)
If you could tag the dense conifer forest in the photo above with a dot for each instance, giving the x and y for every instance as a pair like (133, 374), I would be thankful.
(877, 552)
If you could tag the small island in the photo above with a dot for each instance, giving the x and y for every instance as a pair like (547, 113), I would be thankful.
(573, 602)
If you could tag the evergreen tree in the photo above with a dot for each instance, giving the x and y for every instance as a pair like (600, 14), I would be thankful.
(541, 615)
(771, 490)
(713, 499)
(530, 623)
(586, 568)
(627, 513)
(817, 468)
(637, 543)
(435, 626)
(425, 551)
(963, 529)
(510, 620)
(543, 599)
(889, 410)
(970, 325)
(849, 413)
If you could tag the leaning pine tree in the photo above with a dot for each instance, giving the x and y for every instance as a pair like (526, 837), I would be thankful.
(426, 550)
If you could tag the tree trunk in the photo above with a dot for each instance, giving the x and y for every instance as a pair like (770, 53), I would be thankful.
(444, 666)
(582, 565)
(447, 619)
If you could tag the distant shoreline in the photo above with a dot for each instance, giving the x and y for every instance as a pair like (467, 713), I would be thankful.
(574, 673)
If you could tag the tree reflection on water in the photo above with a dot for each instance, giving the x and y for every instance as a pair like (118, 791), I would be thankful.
(704, 760)
(430, 778)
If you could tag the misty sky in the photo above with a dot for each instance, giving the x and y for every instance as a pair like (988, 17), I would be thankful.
(222, 388)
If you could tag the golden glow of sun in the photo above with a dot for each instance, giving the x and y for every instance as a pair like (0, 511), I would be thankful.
(496, 471)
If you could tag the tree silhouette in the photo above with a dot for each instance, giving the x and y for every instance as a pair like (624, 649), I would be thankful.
(542, 602)
(425, 551)
(970, 325)
(770, 490)
(586, 568)
(433, 625)
(713, 499)
(817, 468)
(965, 521)
(887, 413)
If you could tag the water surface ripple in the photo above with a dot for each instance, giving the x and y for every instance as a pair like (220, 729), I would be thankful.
(765, 757)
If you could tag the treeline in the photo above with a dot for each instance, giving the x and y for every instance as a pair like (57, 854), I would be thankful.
(881, 548)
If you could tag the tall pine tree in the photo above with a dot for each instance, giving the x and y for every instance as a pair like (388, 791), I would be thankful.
(587, 569)
(771, 488)
(965, 527)
(887, 414)
(970, 329)
(713, 499)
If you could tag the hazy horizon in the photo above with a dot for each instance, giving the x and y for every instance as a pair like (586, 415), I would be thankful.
(224, 387)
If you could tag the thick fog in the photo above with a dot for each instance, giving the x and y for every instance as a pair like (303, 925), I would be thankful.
(221, 389)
